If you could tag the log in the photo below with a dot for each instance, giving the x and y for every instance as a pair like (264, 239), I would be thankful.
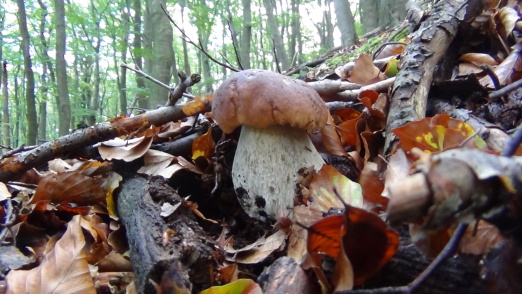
(180, 261)
(426, 50)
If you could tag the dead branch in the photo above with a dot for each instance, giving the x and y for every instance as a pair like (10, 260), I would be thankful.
(17, 164)
(427, 47)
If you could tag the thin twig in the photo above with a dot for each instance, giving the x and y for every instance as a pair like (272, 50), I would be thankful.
(185, 82)
(147, 76)
(505, 90)
(448, 250)
(200, 48)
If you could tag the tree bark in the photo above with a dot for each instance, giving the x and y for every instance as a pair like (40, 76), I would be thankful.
(369, 14)
(5, 108)
(138, 54)
(428, 46)
(279, 46)
(246, 35)
(345, 22)
(162, 52)
(64, 106)
(30, 99)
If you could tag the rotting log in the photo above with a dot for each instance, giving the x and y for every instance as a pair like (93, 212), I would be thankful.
(180, 260)
(427, 48)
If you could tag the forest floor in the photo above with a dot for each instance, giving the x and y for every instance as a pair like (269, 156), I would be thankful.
(420, 190)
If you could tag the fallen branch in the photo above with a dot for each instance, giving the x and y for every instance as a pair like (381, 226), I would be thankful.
(21, 162)
(427, 47)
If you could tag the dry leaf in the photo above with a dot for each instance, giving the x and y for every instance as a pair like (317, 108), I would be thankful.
(257, 251)
(72, 187)
(203, 145)
(364, 72)
(63, 270)
(322, 188)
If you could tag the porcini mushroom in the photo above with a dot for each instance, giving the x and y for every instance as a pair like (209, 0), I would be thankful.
(276, 112)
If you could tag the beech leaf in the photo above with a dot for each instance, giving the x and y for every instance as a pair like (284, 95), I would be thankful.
(64, 268)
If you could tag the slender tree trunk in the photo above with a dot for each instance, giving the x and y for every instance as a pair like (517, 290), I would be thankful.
(32, 120)
(345, 22)
(5, 109)
(276, 36)
(148, 28)
(162, 52)
(186, 64)
(3, 69)
(18, 116)
(138, 53)
(246, 35)
(369, 14)
(329, 26)
(295, 22)
(64, 106)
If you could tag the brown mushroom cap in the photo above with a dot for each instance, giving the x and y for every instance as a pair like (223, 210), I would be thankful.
(261, 98)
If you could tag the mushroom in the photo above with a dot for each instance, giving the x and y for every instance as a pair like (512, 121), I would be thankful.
(276, 112)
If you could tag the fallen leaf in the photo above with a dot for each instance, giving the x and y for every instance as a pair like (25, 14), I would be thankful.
(367, 240)
(4, 192)
(70, 187)
(257, 251)
(365, 72)
(241, 286)
(63, 270)
(322, 188)
(203, 145)
(436, 134)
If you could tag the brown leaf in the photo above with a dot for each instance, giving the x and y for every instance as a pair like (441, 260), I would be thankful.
(364, 72)
(72, 187)
(63, 270)
(478, 59)
(372, 186)
(486, 238)
(331, 140)
(508, 71)
(257, 251)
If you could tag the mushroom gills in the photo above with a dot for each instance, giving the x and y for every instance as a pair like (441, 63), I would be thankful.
(266, 164)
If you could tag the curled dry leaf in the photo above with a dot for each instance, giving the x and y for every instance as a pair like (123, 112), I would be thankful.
(158, 163)
(128, 150)
(507, 71)
(331, 140)
(63, 270)
(4, 192)
(257, 251)
(508, 18)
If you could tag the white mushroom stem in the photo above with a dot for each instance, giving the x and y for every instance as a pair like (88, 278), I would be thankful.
(265, 167)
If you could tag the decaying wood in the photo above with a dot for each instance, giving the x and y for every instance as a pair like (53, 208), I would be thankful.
(173, 251)
(17, 164)
(426, 49)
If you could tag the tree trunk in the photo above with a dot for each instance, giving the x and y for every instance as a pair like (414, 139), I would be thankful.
(138, 54)
(30, 99)
(280, 51)
(5, 110)
(295, 22)
(391, 12)
(246, 35)
(162, 52)
(369, 14)
(345, 22)
(64, 106)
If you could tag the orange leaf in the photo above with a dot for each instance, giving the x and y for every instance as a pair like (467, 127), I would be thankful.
(366, 239)
(436, 134)
(203, 145)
